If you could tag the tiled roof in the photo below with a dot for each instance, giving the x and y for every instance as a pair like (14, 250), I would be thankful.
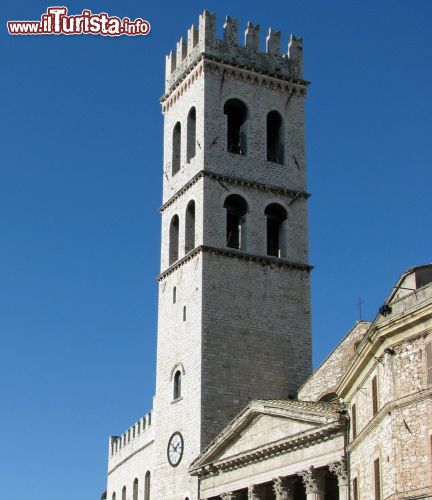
(318, 406)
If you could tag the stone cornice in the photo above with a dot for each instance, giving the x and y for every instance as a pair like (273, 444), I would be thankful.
(256, 76)
(239, 254)
(389, 407)
(234, 181)
(284, 445)
(250, 74)
(412, 494)
(378, 336)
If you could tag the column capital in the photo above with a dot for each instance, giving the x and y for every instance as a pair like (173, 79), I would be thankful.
(283, 488)
(340, 471)
(253, 492)
(313, 480)
(228, 496)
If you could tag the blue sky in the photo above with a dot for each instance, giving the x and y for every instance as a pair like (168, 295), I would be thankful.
(80, 185)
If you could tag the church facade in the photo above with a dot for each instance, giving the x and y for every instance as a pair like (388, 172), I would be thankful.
(360, 426)
(237, 413)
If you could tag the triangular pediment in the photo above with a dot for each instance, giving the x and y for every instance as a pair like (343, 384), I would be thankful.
(264, 423)
(261, 430)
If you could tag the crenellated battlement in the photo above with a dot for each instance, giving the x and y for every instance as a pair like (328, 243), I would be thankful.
(118, 443)
(202, 40)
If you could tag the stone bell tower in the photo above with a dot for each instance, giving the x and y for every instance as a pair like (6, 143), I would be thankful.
(234, 305)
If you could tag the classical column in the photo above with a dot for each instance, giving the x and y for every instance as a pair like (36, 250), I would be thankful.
(340, 471)
(283, 488)
(314, 482)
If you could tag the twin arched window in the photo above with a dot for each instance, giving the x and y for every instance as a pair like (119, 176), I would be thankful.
(237, 115)
(174, 231)
(190, 141)
(276, 221)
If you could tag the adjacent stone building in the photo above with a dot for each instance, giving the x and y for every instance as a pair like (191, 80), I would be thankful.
(360, 426)
(235, 414)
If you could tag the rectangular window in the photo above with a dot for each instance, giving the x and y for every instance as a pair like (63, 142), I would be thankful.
(377, 479)
(374, 396)
(355, 489)
(429, 364)
(354, 420)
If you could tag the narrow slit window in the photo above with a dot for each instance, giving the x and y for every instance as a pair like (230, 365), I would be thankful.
(184, 313)
(124, 493)
(374, 396)
(174, 240)
(174, 295)
(354, 421)
(275, 143)
(190, 227)
(236, 209)
(355, 489)
(236, 113)
(429, 364)
(191, 134)
(176, 148)
(276, 230)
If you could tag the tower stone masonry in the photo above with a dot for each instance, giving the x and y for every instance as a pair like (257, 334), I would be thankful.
(234, 299)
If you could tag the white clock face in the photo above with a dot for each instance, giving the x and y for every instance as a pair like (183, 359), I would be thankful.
(175, 449)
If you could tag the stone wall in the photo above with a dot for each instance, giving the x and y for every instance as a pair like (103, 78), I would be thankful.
(132, 461)
(179, 347)
(400, 433)
(256, 336)
(327, 376)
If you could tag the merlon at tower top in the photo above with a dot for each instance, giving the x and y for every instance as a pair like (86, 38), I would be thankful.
(202, 40)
